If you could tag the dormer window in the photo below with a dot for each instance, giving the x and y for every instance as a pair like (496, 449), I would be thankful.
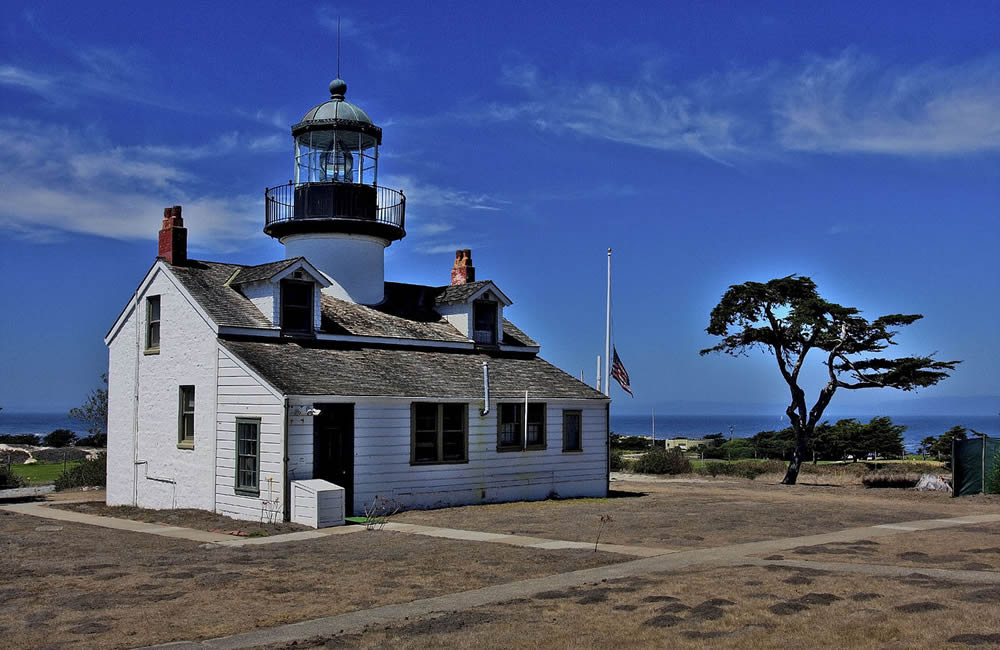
(297, 307)
(484, 317)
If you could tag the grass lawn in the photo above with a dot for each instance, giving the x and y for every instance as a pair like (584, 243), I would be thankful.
(38, 473)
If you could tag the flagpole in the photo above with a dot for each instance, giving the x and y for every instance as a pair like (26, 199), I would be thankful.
(607, 335)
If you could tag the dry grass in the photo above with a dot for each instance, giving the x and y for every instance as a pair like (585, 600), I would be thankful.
(690, 515)
(72, 585)
(973, 547)
(741, 607)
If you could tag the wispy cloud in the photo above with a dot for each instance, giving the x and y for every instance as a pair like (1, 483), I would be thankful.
(11, 75)
(115, 192)
(853, 103)
(645, 113)
(437, 249)
(425, 196)
(849, 103)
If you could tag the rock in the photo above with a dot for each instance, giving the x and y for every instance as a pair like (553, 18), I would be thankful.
(933, 482)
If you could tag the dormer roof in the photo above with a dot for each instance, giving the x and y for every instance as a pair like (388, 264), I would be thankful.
(276, 271)
(464, 293)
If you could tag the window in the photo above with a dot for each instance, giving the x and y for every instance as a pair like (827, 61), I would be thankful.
(185, 417)
(153, 324)
(484, 316)
(297, 306)
(247, 456)
(439, 433)
(572, 434)
(511, 430)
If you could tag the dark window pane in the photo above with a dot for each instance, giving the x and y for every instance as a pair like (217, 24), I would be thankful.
(454, 445)
(454, 417)
(426, 417)
(296, 306)
(571, 430)
(536, 424)
(484, 316)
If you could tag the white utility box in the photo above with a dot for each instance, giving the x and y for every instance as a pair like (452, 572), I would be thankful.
(317, 503)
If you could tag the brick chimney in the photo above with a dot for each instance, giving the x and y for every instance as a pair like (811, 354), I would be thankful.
(173, 237)
(463, 272)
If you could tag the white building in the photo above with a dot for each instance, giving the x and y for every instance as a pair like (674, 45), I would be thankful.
(227, 383)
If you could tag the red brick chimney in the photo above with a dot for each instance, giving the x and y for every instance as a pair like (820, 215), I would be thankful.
(463, 272)
(173, 237)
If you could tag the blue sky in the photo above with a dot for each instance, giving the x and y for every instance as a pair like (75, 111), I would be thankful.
(853, 142)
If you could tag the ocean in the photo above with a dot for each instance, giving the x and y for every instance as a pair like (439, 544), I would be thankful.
(918, 427)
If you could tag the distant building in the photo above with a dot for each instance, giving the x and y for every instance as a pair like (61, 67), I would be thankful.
(687, 444)
(233, 387)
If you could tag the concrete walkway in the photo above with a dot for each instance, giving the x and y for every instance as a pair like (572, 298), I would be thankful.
(43, 510)
(721, 556)
(525, 541)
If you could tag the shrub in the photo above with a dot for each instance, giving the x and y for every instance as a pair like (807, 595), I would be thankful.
(618, 462)
(750, 469)
(993, 478)
(890, 480)
(91, 472)
(662, 461)
(630, 443)
(21, 439)
(8, 479)
(93, 440)
(59, 438)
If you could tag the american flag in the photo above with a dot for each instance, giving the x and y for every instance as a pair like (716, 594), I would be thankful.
(619, 373)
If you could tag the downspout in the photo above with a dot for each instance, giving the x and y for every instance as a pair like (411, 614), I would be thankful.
(486, 389)
(286, 483)
(607, 444)
(135, 406)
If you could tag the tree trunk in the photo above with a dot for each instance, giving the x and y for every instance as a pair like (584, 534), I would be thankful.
(798, 455)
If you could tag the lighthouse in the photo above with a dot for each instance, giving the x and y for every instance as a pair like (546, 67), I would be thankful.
(334, 213)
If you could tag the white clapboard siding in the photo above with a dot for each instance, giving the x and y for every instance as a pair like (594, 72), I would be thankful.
(382, 457)
(241, 395)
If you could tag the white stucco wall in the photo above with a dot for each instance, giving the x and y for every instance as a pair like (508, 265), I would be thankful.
(146, 466)
(382, 457)
(354, 263)
(264, 296)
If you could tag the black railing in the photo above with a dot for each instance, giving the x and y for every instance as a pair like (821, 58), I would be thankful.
(371, 203)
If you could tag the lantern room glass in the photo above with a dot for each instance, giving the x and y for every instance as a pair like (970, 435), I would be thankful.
(336, 156)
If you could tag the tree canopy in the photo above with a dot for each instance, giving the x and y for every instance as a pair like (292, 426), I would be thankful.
(787, 318)
(93, 414)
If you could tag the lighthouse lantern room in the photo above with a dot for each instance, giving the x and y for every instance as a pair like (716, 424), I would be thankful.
(334, 212)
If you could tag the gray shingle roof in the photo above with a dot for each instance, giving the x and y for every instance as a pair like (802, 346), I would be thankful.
(458, 292)
(407, 312)
(263, 271)
(206, 282)
(312, 368)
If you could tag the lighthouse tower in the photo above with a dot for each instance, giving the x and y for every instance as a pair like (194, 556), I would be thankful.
(334, 212)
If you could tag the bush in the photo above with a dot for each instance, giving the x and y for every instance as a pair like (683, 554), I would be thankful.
(59, 438)
(21, 439)
(662, 461)
(750, 469)
(618, 462)
(630, 443)
(890, 480)
(8, 479)
(993, 479)
(91, 472)
(94, 440)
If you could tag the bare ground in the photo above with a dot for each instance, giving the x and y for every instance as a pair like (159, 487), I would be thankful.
(185, 517)
(704, 514)
(73, 585)
(973, 547)
(734, 607)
